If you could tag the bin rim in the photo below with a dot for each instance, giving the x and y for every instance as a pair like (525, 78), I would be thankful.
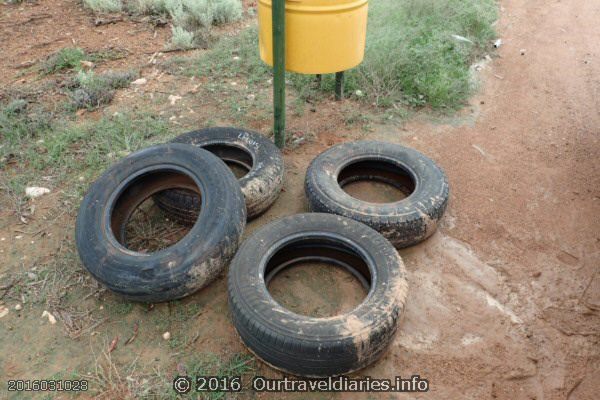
(318, 6)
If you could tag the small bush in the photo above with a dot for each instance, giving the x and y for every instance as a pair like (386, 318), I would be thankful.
(225, 11)
(100, 6)
(198, 13)
(66, 58)
(91, 90)
(147, 7)
(194, 14)
(181, 38)
(119, 79)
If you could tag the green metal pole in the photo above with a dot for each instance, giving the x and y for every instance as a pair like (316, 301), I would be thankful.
(339, 85)
(279, 71)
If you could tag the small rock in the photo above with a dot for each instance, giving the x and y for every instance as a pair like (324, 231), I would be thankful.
(359, 93)
(141, 81)
(18, 237)
(81, 179)
(498, 43)
(3, 311)
(36, 191)
(173, 99)
(31, 276)
(18, 307)
(236, 58)
(167, 335)
(523, 52)
(51, 318)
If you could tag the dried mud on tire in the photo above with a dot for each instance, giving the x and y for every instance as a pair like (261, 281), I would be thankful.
(249, 150)
(405, 222)
(188, 265)
(308, 346)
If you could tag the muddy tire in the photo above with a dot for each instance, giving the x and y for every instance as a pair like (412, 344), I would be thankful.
(405, 222)
(188, 265)
(307, 346)
(242, 148)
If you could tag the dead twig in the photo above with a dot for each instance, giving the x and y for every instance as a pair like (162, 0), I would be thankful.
(582, 299)
(135, 333)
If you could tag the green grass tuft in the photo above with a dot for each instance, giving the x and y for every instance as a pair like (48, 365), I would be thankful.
(412, 57)
(20, 127)
(232, 57)
(66, 58)
(95, 145)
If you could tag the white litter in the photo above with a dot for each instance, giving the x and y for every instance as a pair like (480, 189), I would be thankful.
(462, 39)
(36, 191)
(51, 318)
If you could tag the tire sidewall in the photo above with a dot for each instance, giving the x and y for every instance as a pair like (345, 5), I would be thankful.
(352, 340)
(418, 214)
(188, 265)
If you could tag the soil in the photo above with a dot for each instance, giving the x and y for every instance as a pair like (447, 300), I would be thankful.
(503, 300)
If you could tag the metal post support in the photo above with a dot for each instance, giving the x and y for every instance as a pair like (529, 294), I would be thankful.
(339, 85)
(278, 12)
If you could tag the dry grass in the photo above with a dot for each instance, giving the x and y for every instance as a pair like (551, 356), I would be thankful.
(150, 229)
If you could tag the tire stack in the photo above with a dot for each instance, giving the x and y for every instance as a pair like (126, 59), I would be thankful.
(189, 179)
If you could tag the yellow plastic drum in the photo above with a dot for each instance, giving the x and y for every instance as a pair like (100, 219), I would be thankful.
(322, 36)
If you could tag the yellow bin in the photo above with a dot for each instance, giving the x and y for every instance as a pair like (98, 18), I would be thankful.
(321, 36)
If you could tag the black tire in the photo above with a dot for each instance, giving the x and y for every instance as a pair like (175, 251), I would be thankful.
(307, 346)
(250, 150)
(188, 265)
(405, 222)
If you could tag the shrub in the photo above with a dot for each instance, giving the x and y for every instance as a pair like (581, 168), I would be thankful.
(181, 38)
(147, 7)
(103, 5)
(66, 58)
(225, 11)
(91, 90)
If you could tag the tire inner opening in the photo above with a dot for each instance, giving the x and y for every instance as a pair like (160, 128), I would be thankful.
(141, 226)
(317, 277)
(376, 181)
(237, 159)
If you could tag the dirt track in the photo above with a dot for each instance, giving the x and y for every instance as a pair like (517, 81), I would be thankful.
(521, 241)
(504, 299)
